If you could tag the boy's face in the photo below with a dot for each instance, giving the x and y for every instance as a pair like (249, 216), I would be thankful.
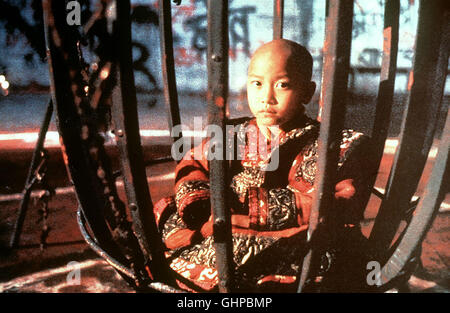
(275, 91)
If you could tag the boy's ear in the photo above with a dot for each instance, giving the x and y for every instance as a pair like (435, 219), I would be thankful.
(309, 92)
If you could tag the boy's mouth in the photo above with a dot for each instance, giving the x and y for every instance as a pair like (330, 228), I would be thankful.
(269, 112)
(267, 115)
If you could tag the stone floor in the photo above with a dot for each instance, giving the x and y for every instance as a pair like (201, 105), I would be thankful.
(67, 264)
(29, 268)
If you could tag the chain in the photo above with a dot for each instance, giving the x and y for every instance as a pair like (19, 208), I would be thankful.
(40, 176)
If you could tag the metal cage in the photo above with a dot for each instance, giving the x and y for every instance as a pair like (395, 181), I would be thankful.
(135, 249)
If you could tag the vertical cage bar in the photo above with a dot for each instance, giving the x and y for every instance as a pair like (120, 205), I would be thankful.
(278, 19)
(125, 115)
(387, 79)
(440, 78)
(385, 89)
(333, 97)
(417, 129)
(217, 99)
(168, 64)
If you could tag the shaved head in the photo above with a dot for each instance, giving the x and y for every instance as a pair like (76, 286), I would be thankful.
(279, 82)
(298, 60)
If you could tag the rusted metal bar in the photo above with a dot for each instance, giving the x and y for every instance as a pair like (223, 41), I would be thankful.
(417, 129)
(127, 272)
(333, 97)
(125, 116)
(440, 78)
(217, 99)
(168, 65)
(81, 101)
(102, 253)
(385, 93)
(29, 182)
(387, 80)
(426, 210)
(278, 19)
(66, 89)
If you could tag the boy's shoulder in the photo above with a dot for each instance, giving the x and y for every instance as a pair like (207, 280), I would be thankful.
(349, 138)
(354, 145)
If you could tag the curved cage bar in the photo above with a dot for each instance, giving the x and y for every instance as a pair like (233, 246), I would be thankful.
(114, 263)
(82, 100)
(418, 126)
(424, 214)
(125, 116)
(60, 49)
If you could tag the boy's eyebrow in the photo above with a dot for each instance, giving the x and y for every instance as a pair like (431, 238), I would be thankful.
(284, 75)
(255, 76)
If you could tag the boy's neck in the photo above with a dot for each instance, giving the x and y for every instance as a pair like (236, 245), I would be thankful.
(276, 131)
(271, 132)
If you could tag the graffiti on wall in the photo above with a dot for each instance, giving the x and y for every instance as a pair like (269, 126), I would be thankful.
(189, 22)
(368, 18)
(196, 25)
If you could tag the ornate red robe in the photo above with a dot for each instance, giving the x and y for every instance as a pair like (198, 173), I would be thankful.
(270, 209)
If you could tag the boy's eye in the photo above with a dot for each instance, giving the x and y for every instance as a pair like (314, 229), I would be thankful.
(282, 85)
(256, 83)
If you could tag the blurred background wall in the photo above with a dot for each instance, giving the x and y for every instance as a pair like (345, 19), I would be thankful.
(22, 52)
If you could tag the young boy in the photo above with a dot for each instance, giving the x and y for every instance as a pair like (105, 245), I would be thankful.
(270, 209)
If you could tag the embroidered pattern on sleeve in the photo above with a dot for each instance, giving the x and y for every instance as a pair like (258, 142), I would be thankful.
(308, 167)
(249, 177)
(173, 224)
(187, 188)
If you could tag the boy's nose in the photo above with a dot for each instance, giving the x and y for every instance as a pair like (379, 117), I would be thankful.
(267, 98)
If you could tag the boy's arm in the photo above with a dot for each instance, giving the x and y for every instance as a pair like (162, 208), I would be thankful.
(355, 176)
(192, 195)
